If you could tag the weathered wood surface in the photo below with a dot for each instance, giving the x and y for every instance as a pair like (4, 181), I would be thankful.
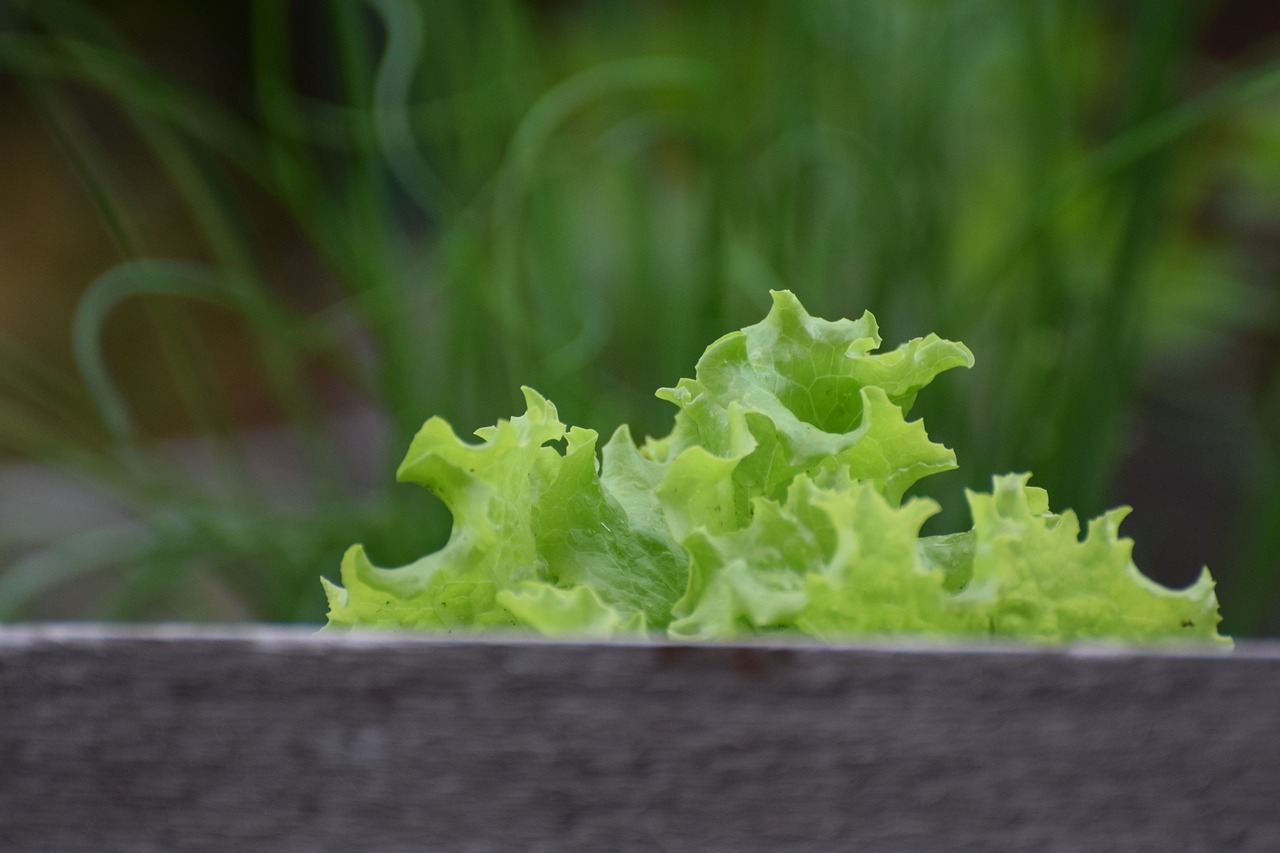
(277, 740)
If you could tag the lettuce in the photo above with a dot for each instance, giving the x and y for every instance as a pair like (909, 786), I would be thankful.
(775, 505)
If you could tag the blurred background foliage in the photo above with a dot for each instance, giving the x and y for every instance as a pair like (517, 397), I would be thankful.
(248, 247)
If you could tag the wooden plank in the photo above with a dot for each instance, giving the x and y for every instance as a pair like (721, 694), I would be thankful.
(280, 740)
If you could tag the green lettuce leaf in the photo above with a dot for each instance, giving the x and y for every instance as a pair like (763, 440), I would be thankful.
(576, 612)
(777, 504)
(795, 394)
(1043, 582)
(491, 489)
(606, 533)
(529, 522)
(829, 562)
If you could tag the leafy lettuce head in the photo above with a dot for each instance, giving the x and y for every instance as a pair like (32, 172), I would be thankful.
(775, 505)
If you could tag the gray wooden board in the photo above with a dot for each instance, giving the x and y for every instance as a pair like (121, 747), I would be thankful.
(278, 740)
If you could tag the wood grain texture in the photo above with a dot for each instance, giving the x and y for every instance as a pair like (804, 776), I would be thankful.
(278, 740)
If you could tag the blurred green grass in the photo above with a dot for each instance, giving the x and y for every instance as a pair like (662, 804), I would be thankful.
(580, 196)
